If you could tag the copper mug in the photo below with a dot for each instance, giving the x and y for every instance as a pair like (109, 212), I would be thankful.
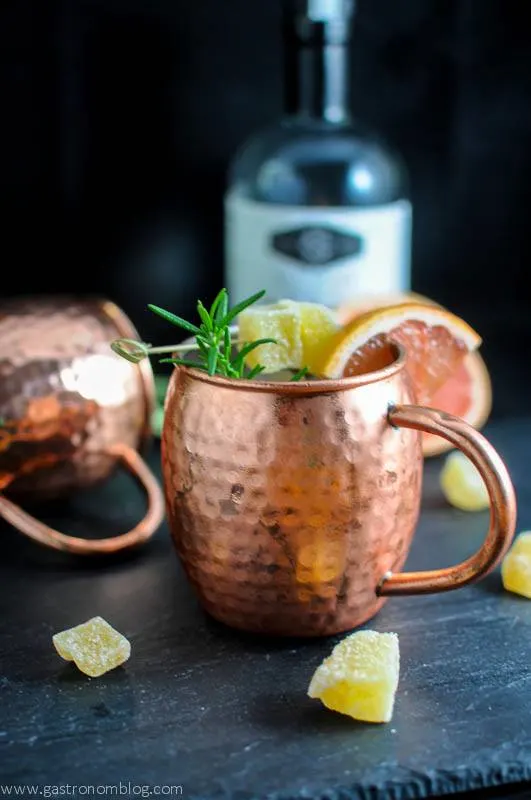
(292, 506)
(70, 411)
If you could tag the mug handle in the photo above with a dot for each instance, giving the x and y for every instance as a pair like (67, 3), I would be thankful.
(502, 504)
(145, 529)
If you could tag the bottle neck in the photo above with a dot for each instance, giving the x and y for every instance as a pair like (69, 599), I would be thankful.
(316, 83)
(316, 66)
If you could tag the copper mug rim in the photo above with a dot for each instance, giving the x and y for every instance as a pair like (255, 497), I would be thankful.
(318, 386)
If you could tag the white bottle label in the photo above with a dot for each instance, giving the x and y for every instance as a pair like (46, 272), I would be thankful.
(318, 254)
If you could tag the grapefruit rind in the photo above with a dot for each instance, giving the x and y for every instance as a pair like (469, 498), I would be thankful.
(387, 319)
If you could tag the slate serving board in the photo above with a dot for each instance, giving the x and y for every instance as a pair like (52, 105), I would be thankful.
(225, 715)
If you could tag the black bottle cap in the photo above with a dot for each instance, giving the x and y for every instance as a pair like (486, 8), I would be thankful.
(319, 21)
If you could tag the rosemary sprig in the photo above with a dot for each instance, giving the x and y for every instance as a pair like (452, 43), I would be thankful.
(213, 340)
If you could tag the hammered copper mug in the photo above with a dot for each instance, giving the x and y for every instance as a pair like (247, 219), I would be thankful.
(292, 506)
(70, 411)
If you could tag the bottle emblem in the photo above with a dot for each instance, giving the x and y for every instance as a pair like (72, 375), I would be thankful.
(319, 245)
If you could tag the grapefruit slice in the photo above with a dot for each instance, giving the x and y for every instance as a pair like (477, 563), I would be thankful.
(466, 394)
(436, 342)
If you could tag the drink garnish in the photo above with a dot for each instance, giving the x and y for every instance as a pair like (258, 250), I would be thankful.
(214, 341)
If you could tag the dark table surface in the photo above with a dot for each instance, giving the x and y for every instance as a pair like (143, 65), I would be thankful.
(224, 714)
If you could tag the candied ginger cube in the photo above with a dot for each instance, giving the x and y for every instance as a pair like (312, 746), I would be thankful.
(94, 646)
(360, 677)
(516, 566)
(462, 484)
(319, 328)
(302, 331)
(272, 322)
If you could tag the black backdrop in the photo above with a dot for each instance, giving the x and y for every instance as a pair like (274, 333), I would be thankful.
(118, 118)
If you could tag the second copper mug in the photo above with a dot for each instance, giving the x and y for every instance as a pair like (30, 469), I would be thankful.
(293, 506)
(70, 411)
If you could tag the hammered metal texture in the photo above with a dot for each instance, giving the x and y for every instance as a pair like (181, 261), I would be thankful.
(64, 395)
(287, 507)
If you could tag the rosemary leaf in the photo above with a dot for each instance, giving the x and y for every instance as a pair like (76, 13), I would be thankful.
(222, 309)
(183, 362)
(216, 306)
(174, 319)
(228, 343)
(205, 316)
(239, 307)
(212, 361)
(202, 346)
(248, 348)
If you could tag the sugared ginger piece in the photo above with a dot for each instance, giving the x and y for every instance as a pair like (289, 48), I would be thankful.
(302, 331)
(516, 566)
(360, 677)
(94, 646)
(462, 484)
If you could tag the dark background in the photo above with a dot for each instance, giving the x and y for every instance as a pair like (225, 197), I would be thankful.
(119, 117)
